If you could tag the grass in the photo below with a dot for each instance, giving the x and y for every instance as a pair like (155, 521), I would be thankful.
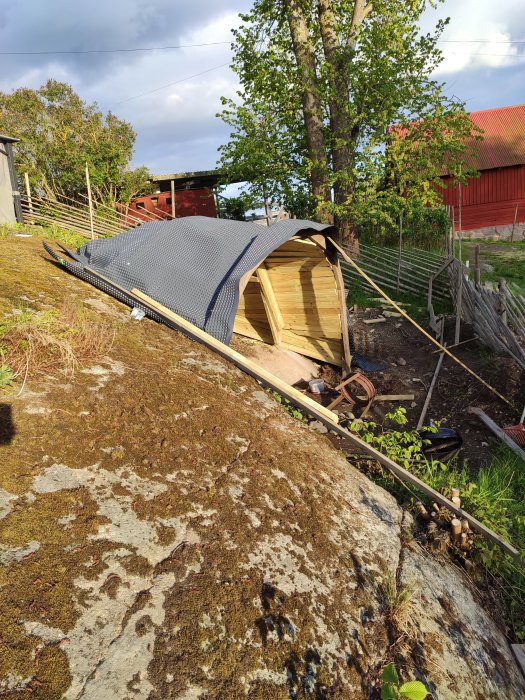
(396, 600)
(37, 342)
(507, 259)
(70, 239)
(414, 305)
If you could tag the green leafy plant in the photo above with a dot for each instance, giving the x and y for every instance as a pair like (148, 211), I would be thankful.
(288, 406)
(393, 689)
(7, 376)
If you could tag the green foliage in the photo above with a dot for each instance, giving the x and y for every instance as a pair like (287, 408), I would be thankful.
(377, 75)
(235, 207)
(59, 133)
(404, 447)
(288, 406)
(134, 182)
(7, 376)
(393, 689)
(423, 226)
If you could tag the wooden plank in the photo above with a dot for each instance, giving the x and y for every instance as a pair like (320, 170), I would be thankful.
(369, 321)
(273, 312)
(243, 363)
(498, 431)
(343, 322)
(389, 397)
(429, 394)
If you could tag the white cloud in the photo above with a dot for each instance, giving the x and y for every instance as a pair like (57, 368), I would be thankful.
(479, 34)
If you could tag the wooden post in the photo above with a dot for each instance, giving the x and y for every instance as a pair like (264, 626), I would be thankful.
(430, 390)
(172, 186)
(400, 249)
(90, 201)
(514, 223)
(459, 223)
(459, 304)
(29, 200)
(477, 271)
(271, 305)
(502, 286)
(452, 232)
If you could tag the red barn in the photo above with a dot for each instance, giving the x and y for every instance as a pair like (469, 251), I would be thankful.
(493, 203)
(181, 194)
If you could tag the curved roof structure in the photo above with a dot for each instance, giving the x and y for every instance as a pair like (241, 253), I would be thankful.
(192, 265)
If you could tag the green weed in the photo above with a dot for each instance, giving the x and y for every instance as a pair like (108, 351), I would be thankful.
(288, 406)
(393, 689)
(70, 239)
(7, 376)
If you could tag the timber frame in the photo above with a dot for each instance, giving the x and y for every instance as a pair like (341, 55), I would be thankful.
(295, 300)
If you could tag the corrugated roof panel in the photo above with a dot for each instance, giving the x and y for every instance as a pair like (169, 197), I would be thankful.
(503, 138)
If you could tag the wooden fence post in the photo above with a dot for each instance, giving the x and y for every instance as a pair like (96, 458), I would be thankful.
(459, 304)
(172, 186)
(477, 270)
(29, 200)
(502, 289)
(400, 250)
(90, 201)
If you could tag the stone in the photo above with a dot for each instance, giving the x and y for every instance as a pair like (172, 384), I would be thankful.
(318, 426)
(401, 361)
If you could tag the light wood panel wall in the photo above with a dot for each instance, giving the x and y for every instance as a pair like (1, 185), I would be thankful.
(297, 306)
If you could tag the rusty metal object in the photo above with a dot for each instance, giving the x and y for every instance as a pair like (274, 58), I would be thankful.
(353, 397)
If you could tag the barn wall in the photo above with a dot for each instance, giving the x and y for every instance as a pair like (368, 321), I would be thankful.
(191, 202)
(489, 200)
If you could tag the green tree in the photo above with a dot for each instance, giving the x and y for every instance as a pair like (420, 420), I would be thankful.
(59, 133)
(322, 82)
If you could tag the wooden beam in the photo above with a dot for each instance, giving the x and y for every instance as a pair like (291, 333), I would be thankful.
(271, 306)
(341, 292)
(429, 394)
(498, 431)
(248, 366)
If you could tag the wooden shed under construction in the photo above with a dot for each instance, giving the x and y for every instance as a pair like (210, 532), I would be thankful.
(295, 299)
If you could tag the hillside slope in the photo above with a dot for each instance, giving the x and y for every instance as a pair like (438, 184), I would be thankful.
(168, 531)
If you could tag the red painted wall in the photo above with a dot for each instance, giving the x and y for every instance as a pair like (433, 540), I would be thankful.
(187, 203)
(489, 200)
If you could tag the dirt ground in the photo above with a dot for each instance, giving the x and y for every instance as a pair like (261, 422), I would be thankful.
(410, 363)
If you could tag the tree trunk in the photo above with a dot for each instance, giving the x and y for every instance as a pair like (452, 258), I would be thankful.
(304, 51)
(344, 129)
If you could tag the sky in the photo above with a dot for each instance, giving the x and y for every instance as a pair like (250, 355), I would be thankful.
(171, 96)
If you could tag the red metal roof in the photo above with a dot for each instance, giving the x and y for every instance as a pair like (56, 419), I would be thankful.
(503, 138)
